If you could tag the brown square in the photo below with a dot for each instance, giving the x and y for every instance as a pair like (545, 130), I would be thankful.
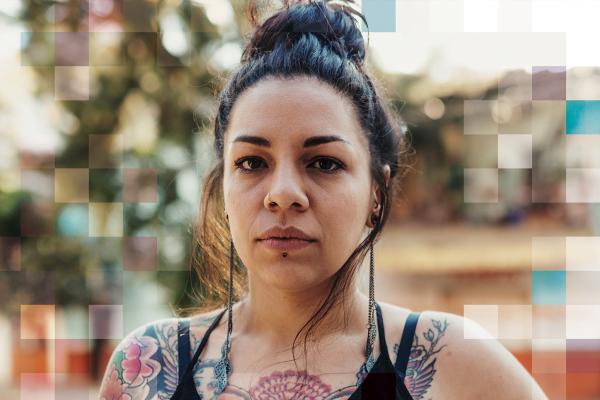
(106, 151)
(140, 185)
(37, 218)
(139, 253)
(71, 185)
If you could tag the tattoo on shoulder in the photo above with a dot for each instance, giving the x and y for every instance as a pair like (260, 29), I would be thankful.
(420, 369)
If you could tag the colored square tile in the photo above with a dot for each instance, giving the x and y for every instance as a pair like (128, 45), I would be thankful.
(583, 253)
(37, 321)
(72, 356)
(106, 185)
(548, 253)
(583, 151)
(140, 185)
(582, 287)
(380, 15)
(583, 321)
(549, 83)
(481, 15)
(38, 182)
(73, 220)
(72, 83)
(106, 151)
(515, 321)
(72, 48)
(73, 326)
(515, 151)
(139, 253)
(514, 16)
(106, 321)
(549, 321)
(71, 185)
(480, 151)
(106, 49)
(106, 16)
(37, 218)
(548, 287)
(139, 15)
(10, 253)
(582, 117)
(486, 316)
(73, 16)
(36, 160)
(478, 119)
(554, 385)
(106, 219)
(444, 15)
(582, 83)
(583, 356)
(514, 193)
(481, 185)
(549, 355)
(37, 49)
(582, 185)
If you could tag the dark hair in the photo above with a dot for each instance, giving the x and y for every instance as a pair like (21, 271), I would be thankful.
(304, 38)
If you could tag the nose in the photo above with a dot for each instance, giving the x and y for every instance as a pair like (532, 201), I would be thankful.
(286, 189)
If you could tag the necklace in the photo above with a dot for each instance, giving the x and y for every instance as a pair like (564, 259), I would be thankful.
(223, 367)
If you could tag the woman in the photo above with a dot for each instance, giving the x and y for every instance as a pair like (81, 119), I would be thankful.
(308, 158)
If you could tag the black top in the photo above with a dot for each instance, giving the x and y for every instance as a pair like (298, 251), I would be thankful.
(384, 381)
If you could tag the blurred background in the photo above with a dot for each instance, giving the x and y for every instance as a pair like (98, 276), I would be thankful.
(105, 135)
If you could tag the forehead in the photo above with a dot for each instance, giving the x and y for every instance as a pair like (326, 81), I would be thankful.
(286, 110)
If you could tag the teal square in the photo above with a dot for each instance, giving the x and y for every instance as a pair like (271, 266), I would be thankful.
(583, 117)
(548, 287)
(380, 15)
(73, 220)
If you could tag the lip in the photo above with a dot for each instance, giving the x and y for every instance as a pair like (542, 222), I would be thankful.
(286, 244)
(289, 232)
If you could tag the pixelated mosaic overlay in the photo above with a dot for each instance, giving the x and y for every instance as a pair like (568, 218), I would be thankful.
(101, 221)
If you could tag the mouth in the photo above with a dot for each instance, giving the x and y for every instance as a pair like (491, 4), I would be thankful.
(286, 244)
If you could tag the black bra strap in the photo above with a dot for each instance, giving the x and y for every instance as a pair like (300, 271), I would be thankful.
(406, 342)
(185, 388)
(381, 332)
(183, 345)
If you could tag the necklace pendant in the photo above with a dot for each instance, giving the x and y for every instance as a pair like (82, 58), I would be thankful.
(222, 372)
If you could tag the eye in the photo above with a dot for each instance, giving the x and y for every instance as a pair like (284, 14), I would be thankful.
(238, 163)
(329, 161)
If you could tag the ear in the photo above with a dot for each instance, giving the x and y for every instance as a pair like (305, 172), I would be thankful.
(376, 206)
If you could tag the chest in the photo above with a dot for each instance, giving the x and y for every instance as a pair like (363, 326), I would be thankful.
(333, 372)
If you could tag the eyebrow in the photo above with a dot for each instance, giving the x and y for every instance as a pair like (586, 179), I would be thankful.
(310, 142)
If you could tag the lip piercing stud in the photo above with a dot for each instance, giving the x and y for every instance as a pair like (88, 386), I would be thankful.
(284, 254)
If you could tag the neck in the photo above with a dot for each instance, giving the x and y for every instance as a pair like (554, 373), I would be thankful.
(278, 315)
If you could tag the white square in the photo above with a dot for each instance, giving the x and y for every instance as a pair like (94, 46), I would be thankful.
(515, 151)
(485, 316)
(583, 185)
(481, 15)
(446, 16)
(583, 321)
(583, 253)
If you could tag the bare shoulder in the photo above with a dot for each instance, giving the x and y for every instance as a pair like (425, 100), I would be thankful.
(454, 357)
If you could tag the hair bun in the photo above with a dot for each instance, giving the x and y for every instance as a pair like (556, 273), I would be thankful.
(332, 23)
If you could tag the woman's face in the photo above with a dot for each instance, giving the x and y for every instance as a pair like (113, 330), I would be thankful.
(324, 189)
